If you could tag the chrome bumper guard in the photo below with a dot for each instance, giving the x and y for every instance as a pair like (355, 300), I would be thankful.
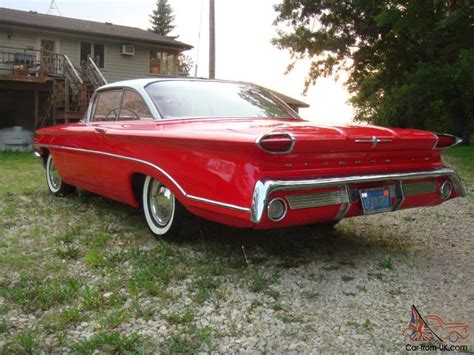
(345, 196)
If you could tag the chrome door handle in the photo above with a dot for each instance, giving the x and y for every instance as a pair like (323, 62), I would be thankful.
(99, 130)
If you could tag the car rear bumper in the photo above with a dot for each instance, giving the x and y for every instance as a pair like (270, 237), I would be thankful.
(344, 193)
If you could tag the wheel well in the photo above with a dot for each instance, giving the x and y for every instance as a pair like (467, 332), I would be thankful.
(138, 179)
(44, 156)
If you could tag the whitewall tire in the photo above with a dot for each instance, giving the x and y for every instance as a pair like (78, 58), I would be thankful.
(55, 184)
(163, 212)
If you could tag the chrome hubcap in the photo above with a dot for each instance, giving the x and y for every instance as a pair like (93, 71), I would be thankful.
(54, 177)
(161, 203)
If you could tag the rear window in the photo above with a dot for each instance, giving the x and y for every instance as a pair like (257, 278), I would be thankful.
(203, 99)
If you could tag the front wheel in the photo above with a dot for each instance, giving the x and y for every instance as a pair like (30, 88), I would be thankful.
(55, 184)
(163, 212)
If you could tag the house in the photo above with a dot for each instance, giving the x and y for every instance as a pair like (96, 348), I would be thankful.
(50, 66)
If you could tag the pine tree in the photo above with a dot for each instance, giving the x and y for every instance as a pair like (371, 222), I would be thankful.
(162, 18)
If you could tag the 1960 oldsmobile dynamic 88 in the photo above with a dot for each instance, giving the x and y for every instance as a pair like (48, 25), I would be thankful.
(233, 153)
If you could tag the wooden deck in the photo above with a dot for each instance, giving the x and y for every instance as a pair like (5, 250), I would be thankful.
(26, 78)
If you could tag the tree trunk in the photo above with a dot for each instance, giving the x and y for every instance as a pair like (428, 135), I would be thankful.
(468, 130)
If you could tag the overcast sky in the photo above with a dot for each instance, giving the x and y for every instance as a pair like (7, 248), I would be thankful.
(243, 50)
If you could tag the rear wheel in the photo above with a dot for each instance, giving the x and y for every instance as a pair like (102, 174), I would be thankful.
(55, 184)
(164, 214)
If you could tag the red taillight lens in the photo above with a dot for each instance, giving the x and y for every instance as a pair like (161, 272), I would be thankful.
(447, 140)
(277, 143)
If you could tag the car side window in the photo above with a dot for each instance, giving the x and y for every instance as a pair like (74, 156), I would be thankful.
(133, 107)
(107, 105)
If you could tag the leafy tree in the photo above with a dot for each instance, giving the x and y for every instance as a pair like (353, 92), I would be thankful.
(162, 18)
(410, 62)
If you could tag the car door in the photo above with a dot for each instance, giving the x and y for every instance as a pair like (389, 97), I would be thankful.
(133, 117)
(87, 141)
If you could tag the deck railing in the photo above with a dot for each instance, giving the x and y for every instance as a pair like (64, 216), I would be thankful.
(51, 63)
(19, 61)
(92, 73)
(70, 91)
(30, 62)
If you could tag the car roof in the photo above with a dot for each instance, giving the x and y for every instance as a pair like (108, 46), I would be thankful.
(141, 83)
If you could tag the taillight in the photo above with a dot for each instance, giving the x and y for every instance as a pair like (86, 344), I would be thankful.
(446, 141)
(277, 143)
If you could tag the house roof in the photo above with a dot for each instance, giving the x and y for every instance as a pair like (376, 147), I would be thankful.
(36, 20)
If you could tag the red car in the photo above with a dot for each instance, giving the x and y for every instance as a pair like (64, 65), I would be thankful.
(234, 153)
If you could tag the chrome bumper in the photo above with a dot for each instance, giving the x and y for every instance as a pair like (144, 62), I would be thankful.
(263, 189)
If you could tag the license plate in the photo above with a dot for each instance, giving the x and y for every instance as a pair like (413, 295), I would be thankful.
(376, 200)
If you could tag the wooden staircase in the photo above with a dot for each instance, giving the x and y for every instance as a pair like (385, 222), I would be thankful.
(71, 92)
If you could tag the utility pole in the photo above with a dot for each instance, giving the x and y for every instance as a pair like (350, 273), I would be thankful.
(212, 41)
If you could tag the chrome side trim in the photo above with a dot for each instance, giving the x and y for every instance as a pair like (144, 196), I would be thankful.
(191, 197)
(263, 189)
(217, 203)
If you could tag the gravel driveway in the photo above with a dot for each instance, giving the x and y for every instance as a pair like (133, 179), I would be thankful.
(350, 290)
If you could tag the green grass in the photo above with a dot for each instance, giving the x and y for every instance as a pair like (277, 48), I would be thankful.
(387, 263)
(191, 340)
(187, 316)
(112, 343)
(463, 159)
(34, 294)
(25, 342)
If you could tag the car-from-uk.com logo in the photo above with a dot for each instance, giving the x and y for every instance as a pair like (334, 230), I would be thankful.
(431, 333)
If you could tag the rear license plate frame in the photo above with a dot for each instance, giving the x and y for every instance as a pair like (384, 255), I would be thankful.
(376, 200)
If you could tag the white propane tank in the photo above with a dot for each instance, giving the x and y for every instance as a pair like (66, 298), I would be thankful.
(16, 138)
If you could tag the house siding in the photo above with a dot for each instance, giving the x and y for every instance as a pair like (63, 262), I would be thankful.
(117, 66)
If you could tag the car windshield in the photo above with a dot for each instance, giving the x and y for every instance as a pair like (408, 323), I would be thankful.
(212, 99)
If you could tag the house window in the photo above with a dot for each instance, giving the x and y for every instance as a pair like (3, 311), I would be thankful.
(162, 63)
(95, 50)
(99, 53)
(48, 45)
(86, 50)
